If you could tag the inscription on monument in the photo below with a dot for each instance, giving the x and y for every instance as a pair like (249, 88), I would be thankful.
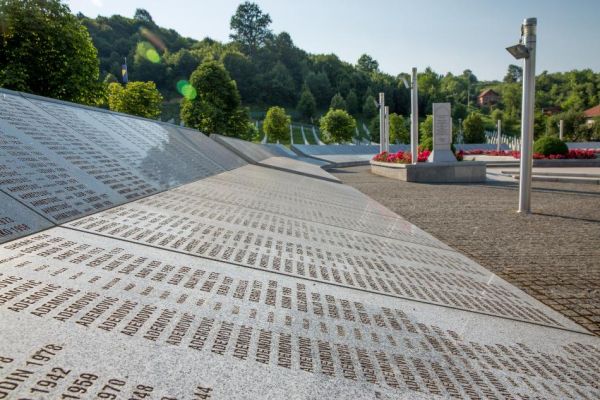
(442, 134)
(105, 291)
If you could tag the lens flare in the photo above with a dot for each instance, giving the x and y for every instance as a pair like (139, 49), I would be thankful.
(186, 89)
(153, 38)
(147, 51)
(152, 55)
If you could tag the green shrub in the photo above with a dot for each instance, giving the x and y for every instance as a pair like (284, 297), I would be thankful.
(426, 143)
(548, 145)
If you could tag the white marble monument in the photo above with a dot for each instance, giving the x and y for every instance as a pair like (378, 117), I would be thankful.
(442, 134)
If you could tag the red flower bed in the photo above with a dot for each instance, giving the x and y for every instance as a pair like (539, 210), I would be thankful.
(401, 157)
(579, 154)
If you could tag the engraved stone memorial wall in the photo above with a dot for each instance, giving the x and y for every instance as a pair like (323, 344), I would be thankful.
(181, 272)
(62, 161)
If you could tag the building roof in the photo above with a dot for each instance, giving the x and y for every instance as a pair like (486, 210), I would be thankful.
(488, 92)
(592, 112)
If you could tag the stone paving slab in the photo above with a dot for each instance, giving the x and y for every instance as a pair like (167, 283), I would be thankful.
(185, 327)
(552, 254)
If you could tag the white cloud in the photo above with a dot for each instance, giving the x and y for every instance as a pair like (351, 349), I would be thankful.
(97, 3)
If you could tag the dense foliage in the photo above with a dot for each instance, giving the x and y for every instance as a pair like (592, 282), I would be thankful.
(135, 98)
(307, 106)
(270, 69)
(277, 124)
(216, 106)
(337, 126)
(474, 129)
(548, 145)
(45, 50)
(399, 129)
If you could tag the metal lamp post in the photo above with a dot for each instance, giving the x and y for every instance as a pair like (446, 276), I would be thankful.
(526, 50)
(499, 129)
(382, 122)
(561, 129)
(414, 117)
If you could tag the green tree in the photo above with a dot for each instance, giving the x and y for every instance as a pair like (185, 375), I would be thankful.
(320, 87)
(143, 16)
(277, 124)
(511, 98)
(514, 74)
(574, 102)
(279, 86)
(496, 115)
(243, 72)
(307, 105)
(399, 132)
(369, 108)
(474, 129)
(352, 102)
(45, 50)
(575, 128)
(136, 98)
(250, 26)
(337, 126)
(426, 128)
(216, 106)
(366, 63)
(338, 102)
(374, 129)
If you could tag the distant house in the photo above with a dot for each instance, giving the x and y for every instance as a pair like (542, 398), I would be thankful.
(551, 110)
(592, 113)
(488, 98)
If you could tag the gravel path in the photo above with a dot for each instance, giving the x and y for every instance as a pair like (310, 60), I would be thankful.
(553, 254)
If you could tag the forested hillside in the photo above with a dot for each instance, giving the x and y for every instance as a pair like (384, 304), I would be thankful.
(270, 69)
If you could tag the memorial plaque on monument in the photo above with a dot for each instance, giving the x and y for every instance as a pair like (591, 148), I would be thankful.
(104, 137)
(47, 167)
(16, 220)
(213, 150)
(442, 134)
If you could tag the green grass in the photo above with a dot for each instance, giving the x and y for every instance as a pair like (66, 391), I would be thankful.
(297, 135)
(309, 136)
(297, 132)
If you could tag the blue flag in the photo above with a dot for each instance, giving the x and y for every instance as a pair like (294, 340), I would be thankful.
(124, 72)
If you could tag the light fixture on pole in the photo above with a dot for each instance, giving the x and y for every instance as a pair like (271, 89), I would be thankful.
(525, 50)
(414, 117)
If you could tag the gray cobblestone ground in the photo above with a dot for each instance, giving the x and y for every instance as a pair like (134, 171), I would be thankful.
(553, 254)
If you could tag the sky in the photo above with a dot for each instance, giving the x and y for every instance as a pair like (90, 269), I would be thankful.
(447, 35)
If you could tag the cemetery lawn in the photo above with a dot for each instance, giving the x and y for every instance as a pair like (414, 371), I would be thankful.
(553, 254)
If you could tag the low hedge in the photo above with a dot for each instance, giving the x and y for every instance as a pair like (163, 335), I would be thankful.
(550, 145)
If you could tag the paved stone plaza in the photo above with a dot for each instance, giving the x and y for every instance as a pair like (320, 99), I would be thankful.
(554, 254)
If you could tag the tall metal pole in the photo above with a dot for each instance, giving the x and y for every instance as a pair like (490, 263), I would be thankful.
(561, 129)
(381, 122)
(528, 30)
(414, 117)
(386, 132)
(499, 129)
